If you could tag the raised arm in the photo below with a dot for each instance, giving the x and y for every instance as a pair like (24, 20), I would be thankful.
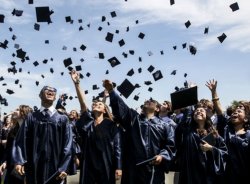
(212, 85)
(81, 97)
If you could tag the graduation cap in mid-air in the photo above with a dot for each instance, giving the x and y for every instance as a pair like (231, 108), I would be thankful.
(222, 37)
(43, 14)
(126, 88)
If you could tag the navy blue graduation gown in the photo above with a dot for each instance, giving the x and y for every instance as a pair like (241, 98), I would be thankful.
(144, 139)
(194, 165)
(43, 146)
(238, 162)
(101, 150)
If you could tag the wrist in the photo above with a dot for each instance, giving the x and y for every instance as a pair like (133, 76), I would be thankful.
(77, 81)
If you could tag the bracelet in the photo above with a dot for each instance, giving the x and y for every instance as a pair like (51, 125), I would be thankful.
(215, 99)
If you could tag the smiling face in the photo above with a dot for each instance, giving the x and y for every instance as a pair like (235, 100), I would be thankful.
(200, 115)
(238, 116)
(48, 94)
(98, 106)
(73, 114)
(150, 106)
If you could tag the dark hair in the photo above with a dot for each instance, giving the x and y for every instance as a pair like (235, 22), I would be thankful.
(24, 110)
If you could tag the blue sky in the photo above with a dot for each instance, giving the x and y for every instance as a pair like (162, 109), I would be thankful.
(163, 26)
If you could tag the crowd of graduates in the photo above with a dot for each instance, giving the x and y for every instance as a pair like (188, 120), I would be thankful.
(203, 143)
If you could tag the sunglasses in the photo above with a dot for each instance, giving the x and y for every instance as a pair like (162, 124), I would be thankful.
(48, 88)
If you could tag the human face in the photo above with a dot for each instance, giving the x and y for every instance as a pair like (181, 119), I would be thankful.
(200, 115)
(16, 114)
(238, 116)
(73, 114)
(48, 94)
(98, 107)
(150, 106)
(164, 107)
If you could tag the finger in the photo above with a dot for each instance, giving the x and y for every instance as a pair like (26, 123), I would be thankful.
(22, 170)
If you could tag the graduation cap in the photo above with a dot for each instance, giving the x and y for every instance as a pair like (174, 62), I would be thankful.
(46, 41)
(83, 47)
(184, 45)
(150, 89)
(151, 68)
(150, 53)
(137, 21)
(222, 37)
(175, 47)
(30, 1)
(10, 92)
(20, 54)
(121, 42)
(4, 44)
(125, 55)
(136, 97)
(113, 14)
(173, 72)
(17, 13)
(141, 35)
(192, 49)
(130, 72)
(117, 31)
(139, 70)
(14, 37)
(68, 19)
(78, 68)
(185, 74)
(51, 70)
(67, 62)
(172, 2)
(126, 88)
(157, 75)
(2, 18)
(107, 72)
(132, 52)
(16, 46)
(103, 18)
(43, 14)
(13, 63)
(64, 48)
(148, 83)
(88, 74)
(1, 78)
(206, 30)
(74, 49)
(99, 28)
(80, 28)
(17, 81)
(95, 87)
(101, 56)
(35, 63)
(140, 59)
(71, 98)
(86, 92)
(109, 37)
(187, 24)
(79, 20)
(161, 52)
(45, 61)
(184, 98)
(127, 29)
(37, 83)
(234, 6)
(114, 61)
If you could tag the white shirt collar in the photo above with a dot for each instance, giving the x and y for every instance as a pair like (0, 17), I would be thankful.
(51, 110)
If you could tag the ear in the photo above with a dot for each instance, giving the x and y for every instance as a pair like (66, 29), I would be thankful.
(245, 120)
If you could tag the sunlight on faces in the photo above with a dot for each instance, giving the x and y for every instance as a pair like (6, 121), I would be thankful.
(73, 114)
(98, 106)
(200, 115)
(16, 114)
(165, 106)
(238, 116)
(48, 94)
(150, 106)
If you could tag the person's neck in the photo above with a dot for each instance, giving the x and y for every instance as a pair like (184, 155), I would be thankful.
(98, 118)
(238, 127)
(201, 125)
(163, 114)
(46, 105)
(149, 115)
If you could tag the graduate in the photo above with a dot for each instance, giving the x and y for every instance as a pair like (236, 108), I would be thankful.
(101, 144)
(201, 152)
(237, 138)
(149, 138)
(43, 144)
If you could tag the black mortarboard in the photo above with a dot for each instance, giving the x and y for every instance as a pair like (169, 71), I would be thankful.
(67, 62)
(130, 72)
(13, 37)
(30, 1)
(4, 44)
(43, 14)
(2, 18)
(187, 24)
(101, 56)
(83, 47)
(64, 48)
(141, 35)
(137, 21)
(172, 2)
(78, 68)
(37, 83)
(17, 13)
(81, 59)
(148, 83)
(88, 74)
(35, 63)
(80, 28)
(161, 52)
(113, 14)
(68, 19)
(185, 74)
(45, 61)
(184, 98)
(10, 28)
(117, 31)
(107, 72)
(137, 85)
(71, 98)
(99, 28)
(20, 53)
(74, 49)
(136, 97)
(46, 41)
(10, 92)
(139, 70)
(132, 52)
(127, 29)
(151, 68)
(234, 6)
(103, 18)
(126, 88)
(125, 55)
(20, 70)
(157, 75)
(95, 87)
(13, 63)
(192, 49)
(184, 45)
(150, 53)
(206, 30)
(175, 47)
(16, 46)
(51, 70)
(186, 84)
(114, 61)
(70, 68)
(140, 59)
(222, 37)
(42, 76)
(1, 78)
(150, 89)
(86, 92)
(79, 20)
(62, 73)
(17, 81)
(173, 72)
(121, 42)
(109, 37)
(81, 76)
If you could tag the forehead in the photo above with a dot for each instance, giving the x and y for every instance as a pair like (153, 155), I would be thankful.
(49, 88)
